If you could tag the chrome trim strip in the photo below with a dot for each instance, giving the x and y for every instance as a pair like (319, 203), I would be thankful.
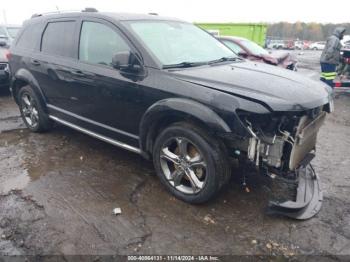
(92, 121)
(101, 137)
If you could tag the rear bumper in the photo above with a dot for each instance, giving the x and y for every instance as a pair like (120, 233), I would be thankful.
(308, 200)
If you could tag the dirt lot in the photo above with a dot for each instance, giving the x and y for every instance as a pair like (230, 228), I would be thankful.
(58, 190)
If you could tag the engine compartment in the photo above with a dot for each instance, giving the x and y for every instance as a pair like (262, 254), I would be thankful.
(280, 142)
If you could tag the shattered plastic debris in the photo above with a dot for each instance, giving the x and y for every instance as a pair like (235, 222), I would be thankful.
(209, 220)
(117, 211)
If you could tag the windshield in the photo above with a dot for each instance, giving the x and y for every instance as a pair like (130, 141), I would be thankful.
(178, 42)
(254, 48)
(13, 31)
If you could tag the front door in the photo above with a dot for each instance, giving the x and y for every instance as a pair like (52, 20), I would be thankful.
(102, 99)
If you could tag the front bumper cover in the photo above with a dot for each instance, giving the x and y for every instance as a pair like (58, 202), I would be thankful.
(308, 199)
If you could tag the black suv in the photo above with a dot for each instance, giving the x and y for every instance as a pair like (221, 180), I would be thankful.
(167, 90)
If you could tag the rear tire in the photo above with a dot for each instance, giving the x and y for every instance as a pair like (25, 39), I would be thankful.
(190, 163)
(32, 111)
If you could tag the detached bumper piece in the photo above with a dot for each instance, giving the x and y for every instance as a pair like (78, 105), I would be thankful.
(308, 199)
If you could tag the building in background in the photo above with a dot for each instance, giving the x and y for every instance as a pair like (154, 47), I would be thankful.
(253, 32)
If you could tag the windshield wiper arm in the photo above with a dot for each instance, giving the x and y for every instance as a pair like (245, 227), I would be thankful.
(224, 59)
(183, 65)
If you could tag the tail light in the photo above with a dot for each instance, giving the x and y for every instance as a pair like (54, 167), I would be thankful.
(337, 84)
(8, 55)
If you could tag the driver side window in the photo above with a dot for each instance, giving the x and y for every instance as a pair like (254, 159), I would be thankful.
(99, 43)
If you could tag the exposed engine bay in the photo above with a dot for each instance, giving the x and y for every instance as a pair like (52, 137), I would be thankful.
(283, 145)
(284, 148)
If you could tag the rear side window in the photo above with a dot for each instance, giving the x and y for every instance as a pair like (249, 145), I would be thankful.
(30, 37)
(99, 43)
(58, 38)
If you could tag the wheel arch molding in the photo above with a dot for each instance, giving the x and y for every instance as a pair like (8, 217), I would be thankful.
(171, 110)
(22, 78)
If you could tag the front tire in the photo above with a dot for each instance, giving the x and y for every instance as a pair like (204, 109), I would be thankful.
(32, 111)
(190, 163)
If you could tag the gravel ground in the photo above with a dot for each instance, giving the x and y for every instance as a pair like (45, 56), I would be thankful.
(58, 190)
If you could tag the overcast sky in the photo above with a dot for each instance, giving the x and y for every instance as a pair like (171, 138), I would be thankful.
(335, 11)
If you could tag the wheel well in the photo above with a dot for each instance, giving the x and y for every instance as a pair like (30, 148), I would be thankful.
(17, 85)
(166, 120)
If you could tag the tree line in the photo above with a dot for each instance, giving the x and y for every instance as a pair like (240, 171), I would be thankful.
(303, 31)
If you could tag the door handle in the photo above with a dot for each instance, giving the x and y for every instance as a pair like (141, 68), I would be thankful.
(35, 62)
(77, 73)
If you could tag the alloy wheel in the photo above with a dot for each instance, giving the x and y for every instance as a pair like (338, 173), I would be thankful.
(29, 110)
(183, 165)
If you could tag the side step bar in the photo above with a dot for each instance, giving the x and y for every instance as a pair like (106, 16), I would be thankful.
(98, 136)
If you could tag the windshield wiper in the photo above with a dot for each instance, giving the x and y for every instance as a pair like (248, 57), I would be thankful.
(224, 59)
(184, 64)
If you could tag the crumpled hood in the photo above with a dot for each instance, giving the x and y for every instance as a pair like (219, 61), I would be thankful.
(271, 59)
(275, 88)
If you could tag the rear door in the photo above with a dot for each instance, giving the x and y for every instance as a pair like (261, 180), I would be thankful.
(53, 63)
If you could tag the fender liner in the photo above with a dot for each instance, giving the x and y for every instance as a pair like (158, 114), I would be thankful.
(178, 107)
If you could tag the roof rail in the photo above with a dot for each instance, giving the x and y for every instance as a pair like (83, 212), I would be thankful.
(89, 9)
(61, 11)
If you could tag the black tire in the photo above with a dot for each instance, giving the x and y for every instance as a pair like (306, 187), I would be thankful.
(217, 170)
(43, 122)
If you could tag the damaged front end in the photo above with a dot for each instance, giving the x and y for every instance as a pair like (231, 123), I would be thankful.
(282, 145)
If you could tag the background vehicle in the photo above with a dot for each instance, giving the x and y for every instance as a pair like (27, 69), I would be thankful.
(8, 33)
(250, 50)
(346, 40)
(187, 102)
(317, 46)
(4, 69)
(255, 32)
(347, 45)
(299, 45)
(276, 44)
(343, 70)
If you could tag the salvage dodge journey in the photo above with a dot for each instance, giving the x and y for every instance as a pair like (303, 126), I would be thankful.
(171, 92)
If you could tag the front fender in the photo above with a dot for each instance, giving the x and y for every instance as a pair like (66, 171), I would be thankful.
(179, 107)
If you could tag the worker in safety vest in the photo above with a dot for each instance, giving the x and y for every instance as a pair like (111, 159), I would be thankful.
(330, 57)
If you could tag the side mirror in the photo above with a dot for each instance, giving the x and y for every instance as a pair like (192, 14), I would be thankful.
(126, 61)
(3, 43)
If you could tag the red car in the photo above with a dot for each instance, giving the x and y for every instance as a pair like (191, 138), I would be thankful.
(251, 51)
